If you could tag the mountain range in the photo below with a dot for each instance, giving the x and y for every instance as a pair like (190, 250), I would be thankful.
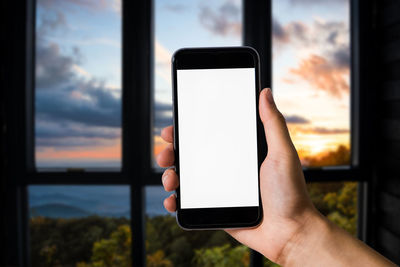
(82, 201)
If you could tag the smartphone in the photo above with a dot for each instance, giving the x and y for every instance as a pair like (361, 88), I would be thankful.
(216, 137)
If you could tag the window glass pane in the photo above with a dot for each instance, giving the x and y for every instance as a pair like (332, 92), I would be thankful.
(79, 226)
(311, 77)
(180, 24)
(168, 245)
(78, 84)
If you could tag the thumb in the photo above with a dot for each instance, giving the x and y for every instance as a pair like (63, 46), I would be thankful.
(276, 132)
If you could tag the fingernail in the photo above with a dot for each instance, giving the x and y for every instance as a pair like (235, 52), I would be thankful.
(164, 177)
(270, 97)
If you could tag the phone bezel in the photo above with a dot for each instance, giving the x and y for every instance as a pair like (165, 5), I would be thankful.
(214, 58)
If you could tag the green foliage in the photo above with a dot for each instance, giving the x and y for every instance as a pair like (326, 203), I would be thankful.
(157, 259)
(343, 206)
(223, 256)
(337, 201)
(113, 251)
(179, 246)
(64, 242)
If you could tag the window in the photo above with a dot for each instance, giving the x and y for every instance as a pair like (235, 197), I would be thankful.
(78, 85)
(77, 127)
(91, 70)
(311, 84)
(79, 225)
(311, 78)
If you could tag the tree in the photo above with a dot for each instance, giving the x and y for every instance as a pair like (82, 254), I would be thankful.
(114, 251)
(340, 156)
(64, 242)
(343, 206)
(223, 256)
(158, 259)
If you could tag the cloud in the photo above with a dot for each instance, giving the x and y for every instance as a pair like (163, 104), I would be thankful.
(71, 109)
(176, 8)
(162, 116)
(116, 6)
(298, 30)
(319, 34)
(230, 9)
(315, 2)
(330, 32)
(332, 37)
(67, 143)
(278, 32)
(323, 75)
(225, 21)
(293, 34)
(326, 44)
(51, 22)
(52, 68)
(323, 130)
(98, 5)
(104, 41)
(62, 129)
(295, 31)
(163, 62)
(295, 119)
(92, 104)
(341, 56)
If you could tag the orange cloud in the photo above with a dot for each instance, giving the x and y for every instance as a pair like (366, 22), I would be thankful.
(111, 152)
(321, 130)
(323, 75)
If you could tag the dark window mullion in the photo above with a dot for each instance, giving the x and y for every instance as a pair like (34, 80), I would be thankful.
(334, 174)
(136, 134)
(15, 136)
(363, 110)
(71, 178)
(257, 18)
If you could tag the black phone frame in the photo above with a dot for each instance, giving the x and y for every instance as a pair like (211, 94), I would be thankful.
(217, 58)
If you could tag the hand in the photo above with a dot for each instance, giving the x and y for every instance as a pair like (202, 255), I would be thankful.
(284, 196)
(292, 231)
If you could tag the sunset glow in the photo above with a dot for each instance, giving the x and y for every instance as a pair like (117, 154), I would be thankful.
(311, 75)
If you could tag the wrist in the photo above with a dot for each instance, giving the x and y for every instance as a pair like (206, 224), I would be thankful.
(313, 229)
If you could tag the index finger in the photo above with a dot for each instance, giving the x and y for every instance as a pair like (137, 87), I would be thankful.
(168, 134)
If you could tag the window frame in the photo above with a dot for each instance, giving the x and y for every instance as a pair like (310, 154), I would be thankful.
(137, 103)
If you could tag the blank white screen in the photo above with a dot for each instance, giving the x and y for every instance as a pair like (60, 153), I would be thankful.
(217, 138)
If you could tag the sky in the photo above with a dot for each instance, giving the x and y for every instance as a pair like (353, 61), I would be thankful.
(78, 84)
(78, 72)
(311, 60)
